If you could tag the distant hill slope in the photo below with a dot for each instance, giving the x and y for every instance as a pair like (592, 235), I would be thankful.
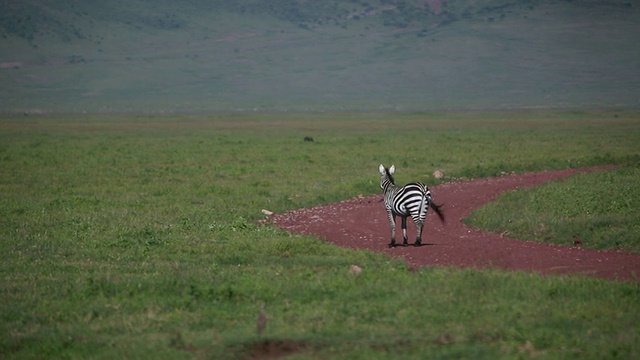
(296, 55)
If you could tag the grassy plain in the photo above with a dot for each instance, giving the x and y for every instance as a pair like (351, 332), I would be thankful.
(600, 210)
(136, 237)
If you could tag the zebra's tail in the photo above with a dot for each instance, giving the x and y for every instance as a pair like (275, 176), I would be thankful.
(438, 209)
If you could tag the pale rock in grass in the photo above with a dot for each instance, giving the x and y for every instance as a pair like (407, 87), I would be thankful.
(355, 269)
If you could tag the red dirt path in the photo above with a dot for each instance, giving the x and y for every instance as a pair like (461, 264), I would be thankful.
(361, 223)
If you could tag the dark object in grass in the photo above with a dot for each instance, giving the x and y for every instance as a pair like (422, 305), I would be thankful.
(262, 320)
(308, 138)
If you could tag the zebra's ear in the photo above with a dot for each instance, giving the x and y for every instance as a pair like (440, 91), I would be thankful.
(381, 169)
(392, 169)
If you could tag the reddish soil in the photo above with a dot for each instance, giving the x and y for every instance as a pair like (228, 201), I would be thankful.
(361, 223)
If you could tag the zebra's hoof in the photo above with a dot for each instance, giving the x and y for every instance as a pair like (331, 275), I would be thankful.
(392, 245)
(417, 243)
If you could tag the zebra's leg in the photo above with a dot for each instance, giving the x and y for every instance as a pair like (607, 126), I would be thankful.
(419, 226)
(419, 219)
(392, 222)
(404, 231)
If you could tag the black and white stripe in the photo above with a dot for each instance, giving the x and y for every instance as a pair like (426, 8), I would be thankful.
(413, 199)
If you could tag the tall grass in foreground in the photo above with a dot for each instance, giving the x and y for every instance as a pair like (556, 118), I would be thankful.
(136, 237)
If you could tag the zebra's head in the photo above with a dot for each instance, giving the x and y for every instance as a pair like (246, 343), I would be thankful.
(386, 175)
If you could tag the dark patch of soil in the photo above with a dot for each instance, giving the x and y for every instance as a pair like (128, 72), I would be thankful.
(361, 223)
(275, 349)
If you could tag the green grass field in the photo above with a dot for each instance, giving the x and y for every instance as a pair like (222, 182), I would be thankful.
(599, 209)
(137, 237)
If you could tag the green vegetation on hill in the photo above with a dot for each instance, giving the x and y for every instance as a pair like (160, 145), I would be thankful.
(285, 55)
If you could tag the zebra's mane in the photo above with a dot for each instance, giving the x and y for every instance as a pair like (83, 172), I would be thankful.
(390, 176)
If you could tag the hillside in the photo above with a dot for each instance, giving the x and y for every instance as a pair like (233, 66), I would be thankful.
(289, 55)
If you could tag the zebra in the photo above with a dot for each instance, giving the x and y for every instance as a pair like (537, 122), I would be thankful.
(413, 199)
